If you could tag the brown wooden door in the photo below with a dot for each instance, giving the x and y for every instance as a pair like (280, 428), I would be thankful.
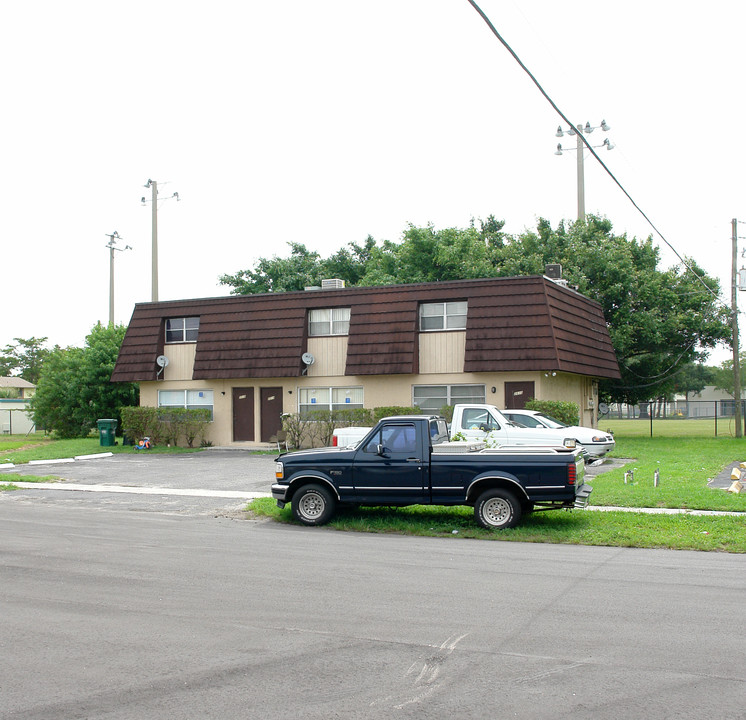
(517, 394)
(271, 409)
(243, 414)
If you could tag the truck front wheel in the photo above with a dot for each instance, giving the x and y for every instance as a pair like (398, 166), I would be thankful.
(313, 505)
(497, 509)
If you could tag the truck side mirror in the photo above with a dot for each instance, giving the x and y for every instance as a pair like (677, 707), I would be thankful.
(483, 427)
(381, 450)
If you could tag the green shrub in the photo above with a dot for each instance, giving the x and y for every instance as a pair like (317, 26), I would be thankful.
(138, 422)
(566, 412)
(321, 427)
(193, 424)
(382, 412)
(447, 412)
(353, 417)
(165, 426)
(297, 428)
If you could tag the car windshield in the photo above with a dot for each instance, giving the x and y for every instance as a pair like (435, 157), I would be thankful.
(552, 422)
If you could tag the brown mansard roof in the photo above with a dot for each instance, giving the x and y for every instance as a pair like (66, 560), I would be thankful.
(513, 324)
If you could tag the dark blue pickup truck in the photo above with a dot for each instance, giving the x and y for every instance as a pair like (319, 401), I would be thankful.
(408, 460)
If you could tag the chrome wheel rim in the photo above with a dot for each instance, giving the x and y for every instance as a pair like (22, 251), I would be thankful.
(496, 511)
(311, 505)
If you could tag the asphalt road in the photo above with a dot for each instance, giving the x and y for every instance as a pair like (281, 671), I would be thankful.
(138, 611)
(212, 472)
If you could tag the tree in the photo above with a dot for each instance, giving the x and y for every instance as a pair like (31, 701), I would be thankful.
(302, 269)
(23, 358)
(660, 321)
(693, 378)
(277, 274)
(74, 389)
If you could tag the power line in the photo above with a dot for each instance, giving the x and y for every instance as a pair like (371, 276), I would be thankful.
(588, 145)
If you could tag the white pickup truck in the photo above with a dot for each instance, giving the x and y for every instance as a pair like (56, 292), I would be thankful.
(476, 422)
(485, 422)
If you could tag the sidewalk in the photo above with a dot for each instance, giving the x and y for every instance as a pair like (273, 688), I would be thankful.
(104, 488)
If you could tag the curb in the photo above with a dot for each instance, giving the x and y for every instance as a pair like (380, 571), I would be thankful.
(663, 511)
(59, 461)
(193, 492)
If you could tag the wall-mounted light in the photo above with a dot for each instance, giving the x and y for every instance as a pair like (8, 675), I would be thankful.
(494, 389)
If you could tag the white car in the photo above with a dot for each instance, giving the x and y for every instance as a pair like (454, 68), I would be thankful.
(595, 442)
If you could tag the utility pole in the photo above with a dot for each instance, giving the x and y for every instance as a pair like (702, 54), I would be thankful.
(154, 201)
(578, 131)
(153, 185)
(734, 324)
(581, 175)
(112, 247)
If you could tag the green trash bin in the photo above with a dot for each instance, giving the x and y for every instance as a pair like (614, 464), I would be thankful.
(107, 428)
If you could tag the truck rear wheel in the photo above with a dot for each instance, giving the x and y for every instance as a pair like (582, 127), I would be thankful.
(313, 505)
(497, 509)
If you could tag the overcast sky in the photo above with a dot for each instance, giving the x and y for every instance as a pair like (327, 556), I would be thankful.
(325, 121)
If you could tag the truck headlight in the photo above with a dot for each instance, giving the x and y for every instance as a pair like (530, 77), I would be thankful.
(279, 471)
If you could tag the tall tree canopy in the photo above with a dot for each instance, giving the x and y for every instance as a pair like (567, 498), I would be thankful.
(24, 358)
(659, 320)
(75, 390)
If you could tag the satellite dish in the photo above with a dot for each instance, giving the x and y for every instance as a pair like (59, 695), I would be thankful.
(308, 359)
(603, 409)
(161, 361)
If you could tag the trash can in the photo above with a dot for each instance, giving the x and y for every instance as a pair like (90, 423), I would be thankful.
(107, 428)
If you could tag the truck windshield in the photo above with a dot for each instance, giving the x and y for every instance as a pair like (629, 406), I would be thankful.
(551, 422)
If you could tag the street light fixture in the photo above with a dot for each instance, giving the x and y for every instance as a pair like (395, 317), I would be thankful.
(113, 237)
(578, 131)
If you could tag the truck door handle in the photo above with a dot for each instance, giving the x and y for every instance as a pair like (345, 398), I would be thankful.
(414, 460)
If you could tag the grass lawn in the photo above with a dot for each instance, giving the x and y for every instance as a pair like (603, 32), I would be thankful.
(19, 449)
(704, 428)
(685, 466)
(579, 527)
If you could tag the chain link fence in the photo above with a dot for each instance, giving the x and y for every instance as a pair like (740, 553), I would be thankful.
(720, 413)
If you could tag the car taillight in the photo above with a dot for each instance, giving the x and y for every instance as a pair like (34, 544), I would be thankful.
(572, 474)
(334, 441)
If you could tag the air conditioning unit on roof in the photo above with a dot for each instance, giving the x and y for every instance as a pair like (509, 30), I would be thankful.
(553, 271)
(332, 284)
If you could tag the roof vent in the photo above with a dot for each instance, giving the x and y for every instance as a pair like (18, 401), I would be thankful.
(333, 284)
(553, 271)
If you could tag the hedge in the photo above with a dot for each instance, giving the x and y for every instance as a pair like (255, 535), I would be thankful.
(165, 426)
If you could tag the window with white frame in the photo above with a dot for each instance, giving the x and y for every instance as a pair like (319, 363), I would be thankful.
(329, 398)
(329, 321)
(443, 316)
(431, 398)
(183, 329)
(190, 399)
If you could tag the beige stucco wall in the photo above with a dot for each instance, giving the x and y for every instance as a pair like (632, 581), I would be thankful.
(441, 355)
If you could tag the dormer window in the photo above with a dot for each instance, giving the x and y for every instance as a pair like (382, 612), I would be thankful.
(329, 321)
(443, 316)
(180, 330)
